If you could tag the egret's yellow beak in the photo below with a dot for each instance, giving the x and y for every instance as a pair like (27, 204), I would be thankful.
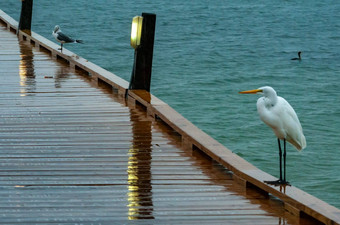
(250, 91)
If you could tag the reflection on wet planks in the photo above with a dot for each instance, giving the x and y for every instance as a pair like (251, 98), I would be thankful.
(71, 151)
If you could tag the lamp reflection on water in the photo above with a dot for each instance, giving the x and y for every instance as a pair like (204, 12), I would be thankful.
(139, 196)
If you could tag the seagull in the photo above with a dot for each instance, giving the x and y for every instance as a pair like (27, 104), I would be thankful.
(63, 38)
(299, 54)
(278, 114)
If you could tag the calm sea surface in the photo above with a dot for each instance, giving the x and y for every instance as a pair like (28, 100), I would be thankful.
(207, 51)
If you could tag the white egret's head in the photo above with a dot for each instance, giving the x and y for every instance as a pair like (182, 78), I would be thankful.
(267, 91)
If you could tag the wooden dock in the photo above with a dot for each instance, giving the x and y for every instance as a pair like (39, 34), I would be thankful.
(73, 150)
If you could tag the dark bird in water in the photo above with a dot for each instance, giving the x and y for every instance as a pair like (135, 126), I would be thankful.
(63, 38)
(299, 54)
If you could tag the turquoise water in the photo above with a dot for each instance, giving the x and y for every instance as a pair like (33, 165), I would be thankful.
(208, 51)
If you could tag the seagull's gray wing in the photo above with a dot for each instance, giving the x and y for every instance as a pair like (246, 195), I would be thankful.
(64, 37)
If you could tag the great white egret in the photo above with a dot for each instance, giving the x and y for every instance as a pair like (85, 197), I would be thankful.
(63, 38)
(278, 114)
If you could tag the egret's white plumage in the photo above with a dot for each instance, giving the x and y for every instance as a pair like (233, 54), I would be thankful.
(278, 114)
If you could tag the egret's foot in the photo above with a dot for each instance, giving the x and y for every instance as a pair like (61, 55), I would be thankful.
(278, 182)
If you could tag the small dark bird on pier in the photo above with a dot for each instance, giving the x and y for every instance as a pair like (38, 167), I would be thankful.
(278, 114)
(63, 38)
(299, 58)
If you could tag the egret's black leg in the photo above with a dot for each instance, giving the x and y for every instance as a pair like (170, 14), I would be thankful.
(284, 163)
(280, 155)
(281, 181)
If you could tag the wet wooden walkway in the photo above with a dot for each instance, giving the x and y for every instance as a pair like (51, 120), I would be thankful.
(72, 151)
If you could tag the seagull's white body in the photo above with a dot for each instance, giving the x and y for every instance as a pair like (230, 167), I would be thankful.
(63, 38)
(278, 114)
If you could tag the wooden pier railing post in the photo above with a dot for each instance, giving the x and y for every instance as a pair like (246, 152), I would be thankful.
(142, 67)
(26, 16)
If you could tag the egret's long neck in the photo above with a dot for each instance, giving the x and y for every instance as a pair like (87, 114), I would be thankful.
(271, 99)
